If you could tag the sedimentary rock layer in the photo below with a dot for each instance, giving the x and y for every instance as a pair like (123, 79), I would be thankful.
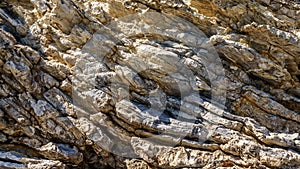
(149, 84)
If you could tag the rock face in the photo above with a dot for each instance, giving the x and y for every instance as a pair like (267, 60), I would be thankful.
(149, 84)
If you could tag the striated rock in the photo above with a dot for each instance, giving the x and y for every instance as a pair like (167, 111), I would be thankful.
(61, 152)
(149, 84)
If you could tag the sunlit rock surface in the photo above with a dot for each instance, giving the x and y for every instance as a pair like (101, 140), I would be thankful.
(149, 84)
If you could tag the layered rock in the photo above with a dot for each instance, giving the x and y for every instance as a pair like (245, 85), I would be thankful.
(149, 84)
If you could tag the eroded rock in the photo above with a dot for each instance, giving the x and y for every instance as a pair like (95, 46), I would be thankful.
(149, 84)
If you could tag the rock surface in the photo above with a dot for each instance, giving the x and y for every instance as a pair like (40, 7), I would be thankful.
(149, 84)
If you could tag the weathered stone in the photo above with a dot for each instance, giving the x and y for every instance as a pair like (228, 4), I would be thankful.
(61, 152)
(149, 84)
(22, 162)
(138, 164)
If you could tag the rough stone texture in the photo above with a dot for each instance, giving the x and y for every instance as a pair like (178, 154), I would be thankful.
(149, 84)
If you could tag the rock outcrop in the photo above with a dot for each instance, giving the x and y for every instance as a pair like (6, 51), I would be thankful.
(149, 84)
